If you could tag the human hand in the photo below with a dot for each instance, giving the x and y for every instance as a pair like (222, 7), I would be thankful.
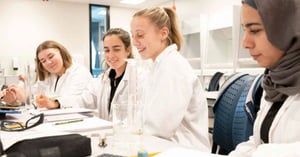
(13, 95)
(8, 96)
(21, 78)
(2, 93)
(45, 102)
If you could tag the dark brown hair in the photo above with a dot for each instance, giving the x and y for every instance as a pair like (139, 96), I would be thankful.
(123, 36)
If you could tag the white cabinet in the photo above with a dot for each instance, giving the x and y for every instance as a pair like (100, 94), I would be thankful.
(191, 49)
(224, 44)
(219, 54)
(194, 41)
(213, 43)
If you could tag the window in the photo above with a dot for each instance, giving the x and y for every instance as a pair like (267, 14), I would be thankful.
(99, 24)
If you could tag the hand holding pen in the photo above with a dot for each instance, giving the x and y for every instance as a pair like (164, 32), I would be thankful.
(45, 102)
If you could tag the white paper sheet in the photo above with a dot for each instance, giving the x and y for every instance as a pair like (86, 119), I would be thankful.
(61, 111)
(180, 152)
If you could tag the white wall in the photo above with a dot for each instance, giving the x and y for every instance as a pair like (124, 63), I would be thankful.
(121, 17)
(26, 23)
(191, 8)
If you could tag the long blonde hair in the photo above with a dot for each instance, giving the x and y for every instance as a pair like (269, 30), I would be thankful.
(164, 17)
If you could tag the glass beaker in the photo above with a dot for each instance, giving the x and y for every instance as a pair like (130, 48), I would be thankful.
(135, 96)
(126, 141)
(120, 117)
(28, 77)
(128, 114)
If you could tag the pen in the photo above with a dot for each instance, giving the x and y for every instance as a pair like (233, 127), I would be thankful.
(68, 122)
(149, 154)
(153, 154)
(15, 126)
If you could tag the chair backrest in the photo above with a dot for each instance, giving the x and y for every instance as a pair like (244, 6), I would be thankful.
(232, 124)
(214, 82)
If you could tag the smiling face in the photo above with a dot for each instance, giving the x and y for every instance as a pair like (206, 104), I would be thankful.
(255, 39)
(52, 61)
(115, 53)
(149, 40)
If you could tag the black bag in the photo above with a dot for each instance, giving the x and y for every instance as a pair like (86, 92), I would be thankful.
(71, 145)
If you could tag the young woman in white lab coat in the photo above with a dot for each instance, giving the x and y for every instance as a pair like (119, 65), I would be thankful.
(272, 35)
(56, 74)
(112, 84)
(175, 106)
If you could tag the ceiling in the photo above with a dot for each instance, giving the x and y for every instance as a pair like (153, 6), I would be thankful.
(116, 3)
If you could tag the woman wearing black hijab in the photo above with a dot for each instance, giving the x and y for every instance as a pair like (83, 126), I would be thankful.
(272, 33)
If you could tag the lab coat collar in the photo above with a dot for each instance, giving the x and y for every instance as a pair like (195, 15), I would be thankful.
(106, 74)
(165, 52)
(279, 114)
(72, 68)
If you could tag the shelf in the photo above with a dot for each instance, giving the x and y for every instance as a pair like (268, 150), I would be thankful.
(218, 66)
(212, 45)
(195, 24)
(198, 72)
(219, 46)
(224, 33)
(211, 72)
(194, 59)
(188, 26)
(191, 45)
(215, 23)
(191, 49)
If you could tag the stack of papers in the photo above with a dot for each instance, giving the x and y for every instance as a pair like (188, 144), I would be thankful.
(6, 108)
(70, 120)
(60, 111)
(63, 114)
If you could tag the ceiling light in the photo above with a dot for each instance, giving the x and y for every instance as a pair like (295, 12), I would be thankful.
(132, 1)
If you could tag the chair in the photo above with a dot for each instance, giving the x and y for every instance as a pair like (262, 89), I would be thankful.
(235, 111)
(214, 82)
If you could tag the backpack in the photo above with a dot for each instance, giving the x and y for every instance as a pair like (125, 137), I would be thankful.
(235, 111)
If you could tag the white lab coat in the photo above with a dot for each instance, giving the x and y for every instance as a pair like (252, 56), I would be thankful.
(97, 95)
(72, 82)
(175, 106)
(284, 135)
